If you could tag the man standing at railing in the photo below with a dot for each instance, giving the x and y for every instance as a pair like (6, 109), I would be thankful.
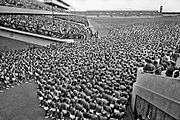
(171, 69)
(149, 67)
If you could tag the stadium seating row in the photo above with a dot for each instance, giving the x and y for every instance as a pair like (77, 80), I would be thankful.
(44, 25)
(30, 4)
(75, 18)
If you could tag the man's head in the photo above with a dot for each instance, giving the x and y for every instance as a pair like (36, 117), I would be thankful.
(148, 60)
(173, 63)
(155, 62)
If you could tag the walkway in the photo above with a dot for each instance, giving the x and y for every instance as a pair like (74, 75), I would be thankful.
(21, 103)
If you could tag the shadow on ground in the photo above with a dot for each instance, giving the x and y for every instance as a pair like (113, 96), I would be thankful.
(20, 103)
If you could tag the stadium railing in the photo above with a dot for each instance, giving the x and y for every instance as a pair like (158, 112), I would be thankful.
(156, 93)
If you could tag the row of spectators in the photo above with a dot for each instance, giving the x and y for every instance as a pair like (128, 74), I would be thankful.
(157, 45)
(165, 66)
(75, 18)
(44, 25)
(30, 4)
(90, 79)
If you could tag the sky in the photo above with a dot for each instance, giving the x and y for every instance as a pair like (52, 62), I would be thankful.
(83, 5)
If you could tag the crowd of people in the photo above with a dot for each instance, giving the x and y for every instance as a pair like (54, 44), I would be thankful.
(44, 25)
(91, 79)
(156, 45)
(72, 82)
(75, 18)
(30, 4)
(165, 66)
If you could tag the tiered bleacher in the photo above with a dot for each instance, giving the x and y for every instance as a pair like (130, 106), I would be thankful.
(62, 27)
(74, 18)
(30, 4)
(44, 25)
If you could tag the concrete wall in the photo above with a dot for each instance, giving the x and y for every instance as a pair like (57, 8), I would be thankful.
(12, 44)
(24, 36)
(162, 92)
(31, 38)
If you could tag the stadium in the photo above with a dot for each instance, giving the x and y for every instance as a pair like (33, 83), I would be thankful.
(58, 63)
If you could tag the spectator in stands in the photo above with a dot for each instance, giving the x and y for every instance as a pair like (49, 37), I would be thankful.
(165, 63)
(174, 56)
(171, 69)
(30, 4)
(42, 24)
(158, 67)
(149, 67)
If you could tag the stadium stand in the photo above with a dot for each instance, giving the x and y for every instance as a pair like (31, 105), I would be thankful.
(31, 4)
(58, 4)
(75, 18)
(44, 25)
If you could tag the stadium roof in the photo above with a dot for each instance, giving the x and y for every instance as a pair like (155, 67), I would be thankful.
(59, 6)
(58, 3)
(64, 3)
